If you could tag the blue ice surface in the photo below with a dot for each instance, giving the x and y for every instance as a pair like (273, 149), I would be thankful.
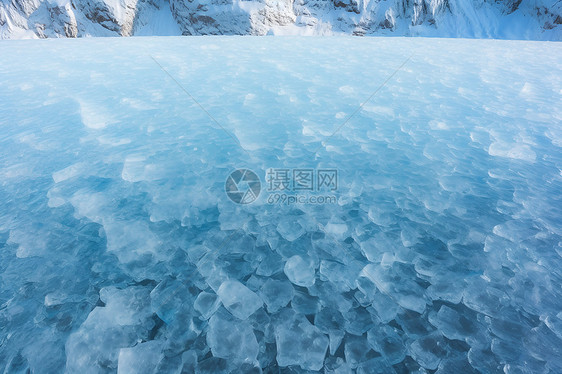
(121, 252)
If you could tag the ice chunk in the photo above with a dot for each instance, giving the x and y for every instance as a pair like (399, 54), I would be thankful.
(28, 245)
(213, 270)
(206, 304)
(545, 345)
(357, 350)
(358, 320)
(342, 276)
(366, 284)
(300, 271)
(398, 282)
(336, 229)
(377, 365)
(446, 287)
(119, 324)
(189, 361)
(213, 365)
(456, 365)
(238, 299)
(93, 116)
(249, 368)
(276, 294)
(387, 341)
(142, 358)
(554, 323)
(329, 294)
(232, 340)
(336, 365)
(483, 360)
(336, 337)
(299, 342)
(515, 151)
(261, 321)
(330, 321)
(484, 298)
(305, 303)
(170, 298)
(511, 325)
(455, 325)
(196, 252)
(385, 307)
(429, 351)
(506, 351)
(374, 247)
(69, 172)
(271, 264)
(413, 325)
(290, 229)
(57, 298)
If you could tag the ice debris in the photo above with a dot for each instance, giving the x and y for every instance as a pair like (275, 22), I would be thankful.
(121, 252)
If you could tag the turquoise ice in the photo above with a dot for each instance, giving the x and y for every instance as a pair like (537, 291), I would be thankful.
(120, 250)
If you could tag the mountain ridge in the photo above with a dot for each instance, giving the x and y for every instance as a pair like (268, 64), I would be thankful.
(511, 19)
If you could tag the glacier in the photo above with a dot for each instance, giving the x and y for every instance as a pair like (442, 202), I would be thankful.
(503, 19)
(120, 250)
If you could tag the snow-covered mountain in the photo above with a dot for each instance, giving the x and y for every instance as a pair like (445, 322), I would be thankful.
(510, 19)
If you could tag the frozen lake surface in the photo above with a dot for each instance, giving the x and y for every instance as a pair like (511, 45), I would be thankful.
(438, 249)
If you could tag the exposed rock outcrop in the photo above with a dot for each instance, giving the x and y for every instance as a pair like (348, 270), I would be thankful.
(514, 19)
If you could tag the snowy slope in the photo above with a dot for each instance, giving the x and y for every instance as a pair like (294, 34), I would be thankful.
(506, 19)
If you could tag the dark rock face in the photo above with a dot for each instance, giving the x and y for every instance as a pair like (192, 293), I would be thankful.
(508, 6)
(67, 25)
(197, 17)
(348, 5)
(449, 18)
(98, 12)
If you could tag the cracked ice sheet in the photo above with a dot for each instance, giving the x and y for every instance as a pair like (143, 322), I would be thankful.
(442, 252)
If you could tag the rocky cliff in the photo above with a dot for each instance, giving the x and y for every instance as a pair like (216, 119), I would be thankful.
(509, 19)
